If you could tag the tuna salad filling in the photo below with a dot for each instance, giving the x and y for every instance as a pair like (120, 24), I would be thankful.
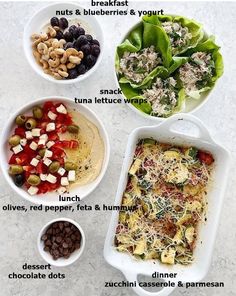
(163, 96)
(197, 73)
(136, 66)
(179, 35)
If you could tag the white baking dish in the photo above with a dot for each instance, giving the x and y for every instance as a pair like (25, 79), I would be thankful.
(164, 132)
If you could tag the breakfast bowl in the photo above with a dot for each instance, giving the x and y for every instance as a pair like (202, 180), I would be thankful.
(62, 49)
(69, 242)
(65, 153)
(159, 78)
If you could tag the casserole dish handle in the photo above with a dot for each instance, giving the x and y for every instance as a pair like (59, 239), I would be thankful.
(182, 117)
(132, 277)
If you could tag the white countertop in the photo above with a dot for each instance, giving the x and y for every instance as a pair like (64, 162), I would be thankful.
(20, 84)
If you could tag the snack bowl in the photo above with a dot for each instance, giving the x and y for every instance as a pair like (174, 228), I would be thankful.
(166, 132)
(60, 262)
(51, 198)
(190, 105)
(42, 18)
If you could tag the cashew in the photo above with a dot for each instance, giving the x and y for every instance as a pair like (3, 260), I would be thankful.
(71, 51)
(51, 31)
(62, 42)
(36, 55)
(64, 58)
(62, 68)
(44, 36)
(75, 60)
(54, 63)
(70, 66)
(55, 44)
(47, 71)
(35, 37)
(56, 28)
(35, 43)
(63, 73)
(42, 48)
(81, 55)
(53, 55)
(59, 51)
(45, 64)
(45, 57)
(57, 76)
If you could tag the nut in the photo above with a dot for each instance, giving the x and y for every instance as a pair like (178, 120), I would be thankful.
(53, 55)
(59, 51)
(62, 68)
(64, 58)
(81, 55)
(56, 28)
(35, 37)
(57, 76)
(42, 48)
(45, 57)
(44, 36)
(71, 51)
(75, 60)
(51, 31)
(63, 73)
(35, 43)
(62, 42)
(44, 64)
(55, 44)
(70, 66)
(54, 63)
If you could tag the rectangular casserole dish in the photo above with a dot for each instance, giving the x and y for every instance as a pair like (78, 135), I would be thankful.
(196, 271)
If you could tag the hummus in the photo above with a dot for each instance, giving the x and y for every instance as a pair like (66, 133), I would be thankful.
(90, 153)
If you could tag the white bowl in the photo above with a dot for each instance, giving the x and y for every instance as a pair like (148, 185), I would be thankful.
(61, 261)
(191, 105)
(42, 18)
(51, 198)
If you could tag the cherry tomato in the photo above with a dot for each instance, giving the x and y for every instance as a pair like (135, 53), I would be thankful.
(205, 157)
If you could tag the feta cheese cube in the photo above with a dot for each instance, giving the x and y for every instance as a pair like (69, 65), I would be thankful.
(41, 142)
(48, 153)
(61, 109)
(50, 144)
(64, 181)
(61, 171)
(44, 137)
(51, 179)
(50, 127)
(52, 115)
(43, 177)
(33, 145)
(36, 132)
(71, 176)
(33, 190)
(28, 135)
(47, 161)
(61, 190)
(17, 149)
(34, 162)
(23, 142)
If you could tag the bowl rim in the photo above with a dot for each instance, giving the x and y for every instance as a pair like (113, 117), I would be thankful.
(23, 193)
(145, 115)
(32, 62)
(55, 262)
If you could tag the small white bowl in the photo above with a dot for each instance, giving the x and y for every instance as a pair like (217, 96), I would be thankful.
(51, 198)
(42, 18)
(191, 105)
(61, 261)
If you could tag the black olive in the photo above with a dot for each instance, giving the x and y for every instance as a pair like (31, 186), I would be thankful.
(95, 41)
(89, 38)
(90, 60)
(19, 180)
(63, 23)
(54, 22)
(68, 36)
(72, 73)
(81, 31)
(68, 45)
(81, 68)
(95, 50)
(59, 35)
(86, 49)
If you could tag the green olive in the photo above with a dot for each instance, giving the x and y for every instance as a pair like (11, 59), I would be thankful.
(20, 120)
(14, 140)
(70, 166)
(34, 180)
(15, 169)
(42, 152)
(54, 167)
(37, 112)
(74, 129)
(30, 124)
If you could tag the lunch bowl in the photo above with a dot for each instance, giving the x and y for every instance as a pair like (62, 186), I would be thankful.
(60, 262)
(42, 18)
(166, 132)
(51, 198)
(190, 105)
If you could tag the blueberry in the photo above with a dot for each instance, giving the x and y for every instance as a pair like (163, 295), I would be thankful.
(81, 68)
(95, 41)
(82, 40)
(54, 22)
(90, 61)
(71, 28)
(86, 49)
(19, 180)
(76, 33)
(72, 73)
(59, 35)
(68, 45)
(81, 31)
(89, 38)
(95, 50)
(63, 23)
(68, 36)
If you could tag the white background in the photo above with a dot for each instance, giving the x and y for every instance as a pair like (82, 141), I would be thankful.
(19, 85)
